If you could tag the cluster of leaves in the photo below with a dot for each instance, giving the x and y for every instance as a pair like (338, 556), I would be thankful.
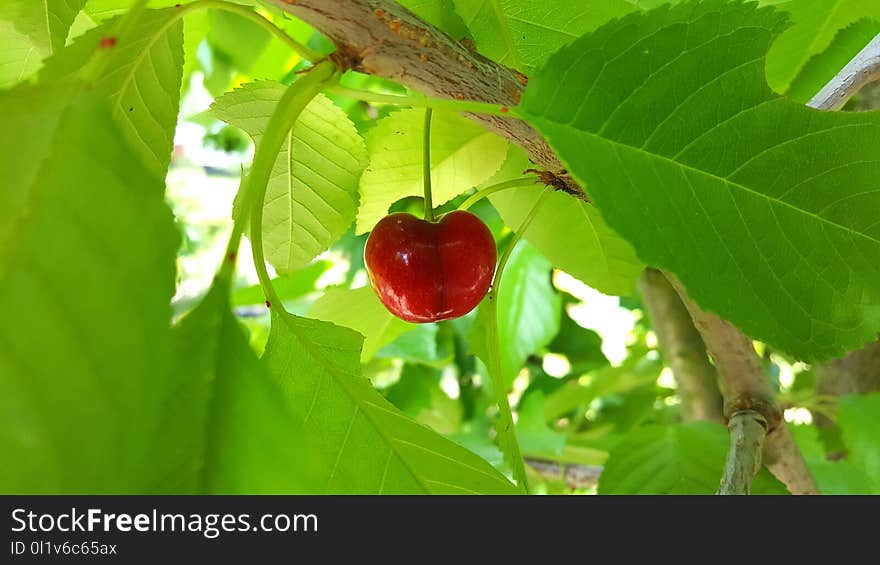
(763, 208)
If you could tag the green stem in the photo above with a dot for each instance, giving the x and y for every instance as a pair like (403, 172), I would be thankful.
(426, 167)
(489, 190)
(419, 101)
(524, 225)
(253, 188)
(504, 426)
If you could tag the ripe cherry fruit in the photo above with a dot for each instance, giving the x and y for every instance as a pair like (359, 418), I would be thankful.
(430, 271)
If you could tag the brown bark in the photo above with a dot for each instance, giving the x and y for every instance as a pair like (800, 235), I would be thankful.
(575, 476)
(682, 348)
(746, 388)
(382, 38)
(857, 372)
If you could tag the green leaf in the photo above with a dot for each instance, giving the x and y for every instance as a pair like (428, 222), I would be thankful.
(439, 13)
(463, 154)
(832, 477)
(413, 392)
(523, 33)
(536, 439)
(582, 347)
(689, 156)
(825, 65)
(683, 458)
(365, 444)
(225, 427)
(85, 286)
(141, 80)
(296, 285)
(635, 372)
(44, 22)
(574, 237)
(361, 311)
(815, 24)
(859, 420)
(19, 57)
(418, 345)
(311, 198)
(528, 311)
(29, 31)
(237, 41)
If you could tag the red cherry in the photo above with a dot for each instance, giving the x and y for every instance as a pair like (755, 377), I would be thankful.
(430, 271)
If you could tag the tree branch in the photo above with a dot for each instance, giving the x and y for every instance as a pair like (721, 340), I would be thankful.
(746, 389)
(575, 476)
(683, 349)
(747, 431)
(381, 38)
(862, 69)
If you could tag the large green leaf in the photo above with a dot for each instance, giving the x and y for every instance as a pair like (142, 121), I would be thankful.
(361, 311)
(859, 420)
(823, 67)
(676, 459)
(311, 198)
(141, 80)
(85, 287)
(523, 33)
(363, 443)
(225, 426)
(463, 154)
(765, 209)
(528, 311)
(815, 24)
(535, 437)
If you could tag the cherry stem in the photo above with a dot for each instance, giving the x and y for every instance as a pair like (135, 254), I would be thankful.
(490, 190)
(420, 101)
(520, 231)
(426, 167)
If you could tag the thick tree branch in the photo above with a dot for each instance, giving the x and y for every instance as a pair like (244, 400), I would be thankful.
(381, 38)
(857, 372)
(683, 349)
(746, 389)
